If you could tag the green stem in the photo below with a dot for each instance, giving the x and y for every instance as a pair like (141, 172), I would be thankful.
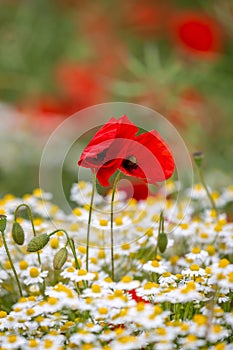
(161, 227)
(11, 263)
(200, 173)
(32, 223)
(89, 220)
(112, 220)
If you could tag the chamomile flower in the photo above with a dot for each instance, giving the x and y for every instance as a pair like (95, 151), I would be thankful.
(167, 279)
(155, 266)
(13, 341)
(34, 275)
(81, 193)
(127, 283)
(193, 271)
(77, 275)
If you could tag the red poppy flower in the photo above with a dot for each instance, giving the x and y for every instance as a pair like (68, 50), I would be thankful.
(197, 33)
(116, 146)
(105, 151)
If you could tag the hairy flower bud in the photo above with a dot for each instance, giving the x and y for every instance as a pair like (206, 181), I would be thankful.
(18, 233)
(38, 243)
(2, 222)
(162, 242)
(60, 258)
(198, 157)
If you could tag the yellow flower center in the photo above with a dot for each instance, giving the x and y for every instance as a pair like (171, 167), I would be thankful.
(12, 338)
(34, 272)
(155, 263)
(200, 319)
(148, 285)
(23, 265)
(230, 277)
(223, 263)
(77, 212)
(70, 269)
(191, 338)
(33, 343)
(210, 250)
(118, 221)
(126, 279)
(48, 343)
(101, 254)
(103, 310)
(194, 267)
(3, 314)
(54, 243)
(82, 249)
(161, 331)
(30, 312)
(184, 226)
(52, 301)
(81, 185)
(96, 288)
(103, 222)
(125, 246)
(166, 274)
(140, 306)
(196, 250)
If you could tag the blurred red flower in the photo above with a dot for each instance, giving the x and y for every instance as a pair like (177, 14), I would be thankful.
(197, 33)
(116, 146)
(81, 84)
(145, 18)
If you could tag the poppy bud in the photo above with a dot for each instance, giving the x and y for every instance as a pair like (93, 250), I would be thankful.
(60, 258)
(2, 222)
(162, 242)
(198, 157)
(18, 233)
(38, 243)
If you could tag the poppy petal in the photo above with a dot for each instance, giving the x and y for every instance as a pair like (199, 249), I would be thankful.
(153, 159)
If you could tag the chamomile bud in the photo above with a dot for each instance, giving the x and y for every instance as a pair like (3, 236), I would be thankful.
(198, 158)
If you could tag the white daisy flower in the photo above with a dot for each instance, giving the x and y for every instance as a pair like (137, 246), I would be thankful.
(34, 275)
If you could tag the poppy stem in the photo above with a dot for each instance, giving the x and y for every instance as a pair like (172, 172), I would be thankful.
(200, 173)
(11, 263)
(198, 159)
(29, 212)
(112, 219)
(89, 220)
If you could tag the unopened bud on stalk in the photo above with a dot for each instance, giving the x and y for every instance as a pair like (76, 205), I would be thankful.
(38, 243)
(2, 222)
(18, 233)
(60, 258)
(162, 242)
(198, 157)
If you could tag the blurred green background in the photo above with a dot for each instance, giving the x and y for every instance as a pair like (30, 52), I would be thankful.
(60, 56)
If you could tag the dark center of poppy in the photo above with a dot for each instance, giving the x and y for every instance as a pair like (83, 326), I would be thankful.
(101, 155)
(130, 163)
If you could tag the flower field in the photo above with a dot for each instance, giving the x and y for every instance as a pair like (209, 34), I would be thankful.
(178, 299)
(111, 236)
